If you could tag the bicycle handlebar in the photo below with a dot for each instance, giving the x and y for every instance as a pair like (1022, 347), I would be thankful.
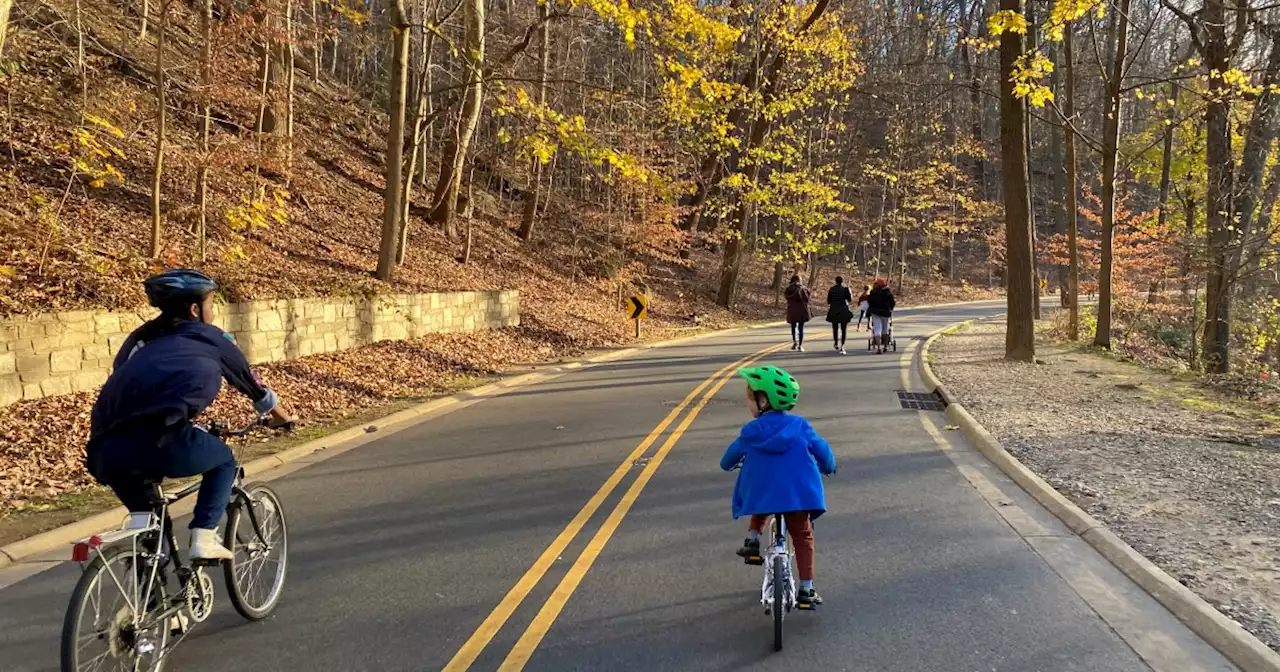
(221, 430)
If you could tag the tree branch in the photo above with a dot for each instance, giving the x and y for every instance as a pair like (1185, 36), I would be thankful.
(1192, 24)
(523, 44)
(1242, 27)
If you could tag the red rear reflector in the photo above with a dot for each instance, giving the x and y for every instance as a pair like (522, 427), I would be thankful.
(80, 552)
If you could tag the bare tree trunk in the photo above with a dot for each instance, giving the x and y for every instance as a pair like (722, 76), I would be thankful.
(1057, 168)
(884, 198)
(968, 58)
(455, 155)
(5, 6)
(80, 64)
(535, 170)
(1110, 148)
(1020, 341)
(142, 26)
(289, 82)
(1072, 189)
(158, 166)
(1220, 166)
(1031, 213)
(1166, 158)
(317, 44)
(1188, 236)
(417, 155)
(395, 141)
(206, 111)
(468, 213)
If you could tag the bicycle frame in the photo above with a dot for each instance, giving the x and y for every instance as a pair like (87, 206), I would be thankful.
(149, 535)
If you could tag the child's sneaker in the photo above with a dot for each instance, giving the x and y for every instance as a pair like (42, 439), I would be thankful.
(807, 598)
(750, 548)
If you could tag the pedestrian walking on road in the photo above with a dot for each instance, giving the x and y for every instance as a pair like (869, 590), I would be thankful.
(880, 304)
(862, 307)
(839, 313)
(797, 310)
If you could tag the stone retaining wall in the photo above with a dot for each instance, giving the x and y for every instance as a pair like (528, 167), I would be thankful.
(59, 353)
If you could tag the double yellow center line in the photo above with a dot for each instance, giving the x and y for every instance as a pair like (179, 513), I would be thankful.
(541, 623)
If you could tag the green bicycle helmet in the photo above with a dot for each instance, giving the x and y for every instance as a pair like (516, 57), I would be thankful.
(780, 387)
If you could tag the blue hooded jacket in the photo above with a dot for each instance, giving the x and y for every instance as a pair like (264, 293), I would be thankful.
(784, 457)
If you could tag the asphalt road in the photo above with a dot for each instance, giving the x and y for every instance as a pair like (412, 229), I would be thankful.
(403, 548)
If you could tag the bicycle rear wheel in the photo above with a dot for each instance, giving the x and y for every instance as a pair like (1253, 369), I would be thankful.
(102, 629)
(255, 575)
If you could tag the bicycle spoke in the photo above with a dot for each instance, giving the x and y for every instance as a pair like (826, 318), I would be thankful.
(97, 660)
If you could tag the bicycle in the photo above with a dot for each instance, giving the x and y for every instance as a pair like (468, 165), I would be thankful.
(778, 592)
(134, 560)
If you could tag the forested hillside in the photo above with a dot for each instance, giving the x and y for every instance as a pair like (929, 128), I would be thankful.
(1125, 148)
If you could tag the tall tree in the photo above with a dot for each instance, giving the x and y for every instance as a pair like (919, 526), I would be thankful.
(1217, 46)
(454, 158)
(1020, 335)
(530, 211)
(157, 167)
(206, 113)
(1072, 189)
(1110, 152)
(5, 6)
(395, 141)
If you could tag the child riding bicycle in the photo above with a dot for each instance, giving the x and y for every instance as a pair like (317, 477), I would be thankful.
(782, 458)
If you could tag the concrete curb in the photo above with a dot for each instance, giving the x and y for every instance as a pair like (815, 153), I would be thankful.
(39, 544)
(1224, 634)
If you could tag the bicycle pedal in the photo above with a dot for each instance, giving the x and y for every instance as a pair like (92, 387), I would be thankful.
(206, 562)
(756, 560)
(806, 607)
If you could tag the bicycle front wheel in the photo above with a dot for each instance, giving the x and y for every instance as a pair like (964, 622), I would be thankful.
(109, 625)
(779, 600)
(255, 576)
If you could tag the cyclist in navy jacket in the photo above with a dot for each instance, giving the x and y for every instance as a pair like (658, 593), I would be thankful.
(166, 374)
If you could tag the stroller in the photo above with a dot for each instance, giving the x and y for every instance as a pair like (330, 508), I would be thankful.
(890, 341)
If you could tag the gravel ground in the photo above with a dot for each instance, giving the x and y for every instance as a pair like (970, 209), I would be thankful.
(1188, 478)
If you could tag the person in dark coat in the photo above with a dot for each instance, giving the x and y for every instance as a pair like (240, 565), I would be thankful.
(839, 313)
(880, 304)
(797, 310)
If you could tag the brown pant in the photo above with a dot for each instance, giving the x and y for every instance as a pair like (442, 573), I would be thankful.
(801, 531)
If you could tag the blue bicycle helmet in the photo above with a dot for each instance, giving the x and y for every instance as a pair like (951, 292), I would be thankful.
(177, 287)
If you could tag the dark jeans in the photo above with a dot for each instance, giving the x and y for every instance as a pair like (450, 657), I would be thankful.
(188, 452)
(797, 332)
(839, 332)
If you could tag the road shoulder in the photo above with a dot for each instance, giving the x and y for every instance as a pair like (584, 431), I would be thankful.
(1126, 454)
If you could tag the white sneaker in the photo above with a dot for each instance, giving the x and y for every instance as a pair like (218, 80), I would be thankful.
(842, 351)
(205, 545)
(178, 624)
(801, 348)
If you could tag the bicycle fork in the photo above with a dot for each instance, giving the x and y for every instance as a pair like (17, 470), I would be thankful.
(778, 549)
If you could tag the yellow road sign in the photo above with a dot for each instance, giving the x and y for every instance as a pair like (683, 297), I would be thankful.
(638, 307)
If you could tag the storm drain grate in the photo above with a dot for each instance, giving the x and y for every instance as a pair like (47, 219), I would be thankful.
(921, 401)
